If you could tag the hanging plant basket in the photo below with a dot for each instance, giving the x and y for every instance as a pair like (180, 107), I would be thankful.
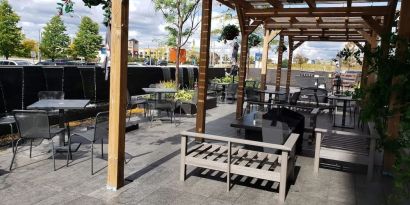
(229, 32)
(93, 2)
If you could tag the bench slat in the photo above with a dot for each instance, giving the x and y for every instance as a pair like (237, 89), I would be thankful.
(209, 151)
(199, 150)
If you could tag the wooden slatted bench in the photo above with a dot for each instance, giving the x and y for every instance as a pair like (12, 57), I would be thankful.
(345, 146)
(235, 160)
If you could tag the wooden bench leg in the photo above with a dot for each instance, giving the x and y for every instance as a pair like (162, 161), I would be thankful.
(182, 173)
(228, 172)
(283, 176)
(317, 153)
(370, 165)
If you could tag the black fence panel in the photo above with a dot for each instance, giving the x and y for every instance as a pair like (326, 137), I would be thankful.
(11, 79)
(215, 73)
(142, 77)
(2, 100)
(89, 82)
(33, 83)
(103, 85)
(73, 88)
(53, 77)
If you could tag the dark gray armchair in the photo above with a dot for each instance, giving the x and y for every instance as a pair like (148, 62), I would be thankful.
(34, 124)
(97, 134)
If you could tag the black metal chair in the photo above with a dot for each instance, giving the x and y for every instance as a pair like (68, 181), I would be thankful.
(47, 95)
(98, 133)
(230, 91)
(34, 124)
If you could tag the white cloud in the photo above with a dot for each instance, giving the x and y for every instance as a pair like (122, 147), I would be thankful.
(145, 25)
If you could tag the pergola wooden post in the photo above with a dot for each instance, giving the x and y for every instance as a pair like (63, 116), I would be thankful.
(289, 71)
(203, 64)
(292, 47)
(279, 67)
(118, 94)
(267, 38)
(242, 72)
(393, 122)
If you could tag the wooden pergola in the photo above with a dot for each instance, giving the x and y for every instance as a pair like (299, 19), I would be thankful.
(299, 20)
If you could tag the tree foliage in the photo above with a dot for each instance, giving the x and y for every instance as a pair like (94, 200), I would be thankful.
(180, 16)
(300, 59)
(67, 6)
(350, 55)
(10, 33)
(88, 41)
(27, 45)
(54, 42)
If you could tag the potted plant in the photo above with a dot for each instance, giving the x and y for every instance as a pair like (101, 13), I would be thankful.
(229, 32)
(185, 99)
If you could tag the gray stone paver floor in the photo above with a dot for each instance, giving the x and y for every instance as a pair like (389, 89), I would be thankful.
(152, 172)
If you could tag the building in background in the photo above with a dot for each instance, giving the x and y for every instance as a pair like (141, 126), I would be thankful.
(159, 53)
(173, 55)
(133, 47)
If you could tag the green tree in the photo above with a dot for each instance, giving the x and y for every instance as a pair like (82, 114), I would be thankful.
(27, 45)
(88, 41)
(10, 33)
(180, 15)
(300, 59)
(54, 43)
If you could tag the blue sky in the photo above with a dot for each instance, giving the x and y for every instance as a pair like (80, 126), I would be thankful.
(145, 25)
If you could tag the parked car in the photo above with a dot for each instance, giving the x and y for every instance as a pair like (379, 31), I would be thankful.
(162, 63)
(149, 62)
(56, 62)
(15, 62)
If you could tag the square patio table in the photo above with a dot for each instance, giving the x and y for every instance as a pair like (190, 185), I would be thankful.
(345, 99)
(61, 105)
(252, 124)
(158, 92)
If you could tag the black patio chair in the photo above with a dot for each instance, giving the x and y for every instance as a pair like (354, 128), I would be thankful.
(230, 91)
(98, 133)
(47, 95)
(34, 124)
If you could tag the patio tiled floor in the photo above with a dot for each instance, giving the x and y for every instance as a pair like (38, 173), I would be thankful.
(152, 172)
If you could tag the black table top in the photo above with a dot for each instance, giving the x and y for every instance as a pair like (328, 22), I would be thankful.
(253, 120)
(159, 90)
(272, 92)
(67, 104)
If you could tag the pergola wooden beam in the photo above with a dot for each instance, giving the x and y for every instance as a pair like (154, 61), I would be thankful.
(366, 35)
(275, 3)
(203, 65)
(360, 46)
(118, 94)
(373, 24)
(297, 44)
(324, 25)
(319, 12)
(318, 33)
(311, 3)
(334, 39)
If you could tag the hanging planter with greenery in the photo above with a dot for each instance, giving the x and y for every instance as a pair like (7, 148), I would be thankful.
(229, 32)
(254, 40)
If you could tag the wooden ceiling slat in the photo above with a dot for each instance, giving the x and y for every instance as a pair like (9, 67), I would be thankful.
(319, 12)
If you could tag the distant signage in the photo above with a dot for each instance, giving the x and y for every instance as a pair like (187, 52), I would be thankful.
(33, 54)
(258, 56)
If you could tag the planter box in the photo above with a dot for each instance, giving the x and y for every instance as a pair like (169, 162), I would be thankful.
(191, 109)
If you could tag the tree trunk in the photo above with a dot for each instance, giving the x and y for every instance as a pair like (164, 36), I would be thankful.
(177, 60)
